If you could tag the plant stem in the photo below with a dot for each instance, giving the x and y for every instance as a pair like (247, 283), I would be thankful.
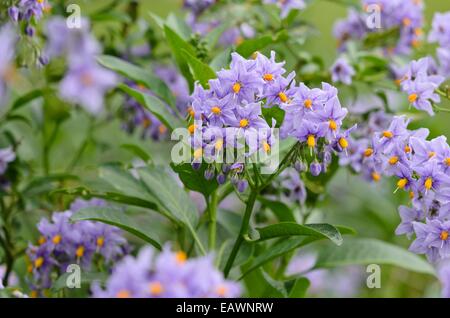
(212, 208)
(47, 146)
(243, 231)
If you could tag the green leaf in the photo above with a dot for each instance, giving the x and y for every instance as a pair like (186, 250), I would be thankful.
(194, 179)
(299, 288)
(251, 46)
(138, 75)
(201, 71)
(171, 198)
(138, 151)
(179, 26)
(86, 279)
(27, 98)
(287, 245)
(281, 210)
(371, 251)
(294, 229)
(116, 218)
(177, 45)
(273, 113)
(155, 106)
(221, 60)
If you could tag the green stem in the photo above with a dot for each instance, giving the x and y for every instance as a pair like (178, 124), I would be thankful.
(47, 147)
(82, 148)
(243, 231)
(212, 208)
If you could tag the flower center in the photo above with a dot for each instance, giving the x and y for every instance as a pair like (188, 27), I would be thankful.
(219, 144)
(388, 134)
(431, 154)
(368, 152)
(428, 183)
(447, 161)
(412, 98)
(243, 123)
(190, 111)
(222, 291)
(87, 79)
(181, 257)
(42, 240)
(216, 110)
(393, 160)
(38, 262)
(198, 153)
(123, 294)
(407, 149)
(56, 239)
(332, 124)
(191, 129)
(406, 22)
(283, 97)
(343, 143)
(307, 103)
(100, 241)
(401, 184)
(162, 129)
(376, 176)
(236, 88)
(266, 147)
(156, 288)
(311, 141)
(268, 77)
(444, 235)
(80, 251)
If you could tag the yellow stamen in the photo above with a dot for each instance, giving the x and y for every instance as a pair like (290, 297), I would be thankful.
(87, 79)
(268, 77)
(444, 235)
(181, 257)
(236, 88)
(368, 152)
(266, 147)
(343, 143)
(388, 134)
(407, 149)
(428, 183)
(311, 141)
(162, 129)
(307, 103)
(406, 22)
(34, 294)
(412, 98)
(411, 195)
(57, 239)
(447, 161)
(393, 160)
(190, 111)
(198, 153)
(243, 123)
(38, 262)
(216, 110)
(431, 154)
(332, 124)
(418, 31)
(376, 177)
(283, 97)
(222, 291)
(123, 294)
(192, 128)
(30, 268)
(100, 241)
(415, 43)
(219, 144)
(156, 288)
(401, 184)
(80, 251)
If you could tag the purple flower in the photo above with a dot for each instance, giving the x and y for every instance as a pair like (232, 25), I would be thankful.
(7, 51)
(419, 245)
(438, 236)
(396, 133)
(331, 116)
(287, 5)
(421, 95)
(315, 168)
(219, 112)
(444, 277)
(309, 133)
(408, 216)
(269, 69)
(431, 178)
(239, 81)
(444, 61)
(86, 84)
(169, 275)
(342, 71)
(440, 31)
(249, 116)
(294, 184)
(7, 155)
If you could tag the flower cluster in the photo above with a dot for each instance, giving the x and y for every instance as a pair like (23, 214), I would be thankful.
(85, 82)
(420, 79)
(168, 275)
(63, 243)
(7, 52)
(28, 10)
(137, 116)
(235, 100)
(421, 167)
(403, 15)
